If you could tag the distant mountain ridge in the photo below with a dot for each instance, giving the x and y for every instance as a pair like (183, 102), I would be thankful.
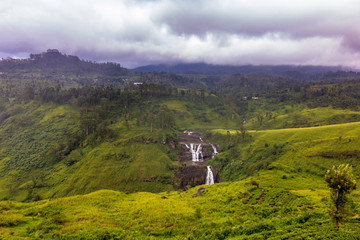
(203, 68)
(54, 60)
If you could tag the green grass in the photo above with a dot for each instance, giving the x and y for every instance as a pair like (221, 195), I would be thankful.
(224, 211)
(132, 167)
(197, 115)
(298, 158)
(26, 138)
(300, 116)
(278, 136)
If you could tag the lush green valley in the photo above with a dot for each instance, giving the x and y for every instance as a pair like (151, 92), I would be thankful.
(291, 200)
(94, 154)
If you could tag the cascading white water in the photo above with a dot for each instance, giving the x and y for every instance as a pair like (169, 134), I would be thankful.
(196, 153)
(209, 176)
(215, 151)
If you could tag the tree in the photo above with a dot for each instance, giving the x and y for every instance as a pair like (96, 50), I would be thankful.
(341, 182)
(28, 93)
(260, 119)
(242, 130)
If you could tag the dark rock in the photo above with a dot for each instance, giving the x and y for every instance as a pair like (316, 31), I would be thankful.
(255, 183)
(172, 144)
(190, 175)
(199, 192)
(271, 168)
(163, 197)
(245, 194)
(192, 137)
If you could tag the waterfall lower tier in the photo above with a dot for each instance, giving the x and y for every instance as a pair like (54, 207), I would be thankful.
(209, 176)
(215, 151)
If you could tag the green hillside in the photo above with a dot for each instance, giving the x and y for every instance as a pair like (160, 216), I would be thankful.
(41, 159)
(292, 201)
(290, 152)
(28, 135)
(81, 145)
(299, 115)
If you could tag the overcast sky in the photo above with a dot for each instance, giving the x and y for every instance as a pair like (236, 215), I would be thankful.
(142, 32)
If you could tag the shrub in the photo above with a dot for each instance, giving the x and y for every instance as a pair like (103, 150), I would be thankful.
(341, 183)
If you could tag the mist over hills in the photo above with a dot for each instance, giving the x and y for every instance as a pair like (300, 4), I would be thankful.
(52, 62)
(203, 68)
(56, 61)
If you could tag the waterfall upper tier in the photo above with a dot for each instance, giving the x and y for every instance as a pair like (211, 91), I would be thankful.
(195, 149)
(196, 152)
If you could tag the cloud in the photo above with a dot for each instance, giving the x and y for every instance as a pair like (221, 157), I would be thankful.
(163, 31)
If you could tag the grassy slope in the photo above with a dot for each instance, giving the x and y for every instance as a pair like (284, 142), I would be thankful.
(221, 212)
(190, 115)
(126, 164)
(303, 150)
(285, 116)
(26, 138)
(119, 166)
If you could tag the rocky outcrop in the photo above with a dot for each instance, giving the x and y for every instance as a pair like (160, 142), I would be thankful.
(191, 176)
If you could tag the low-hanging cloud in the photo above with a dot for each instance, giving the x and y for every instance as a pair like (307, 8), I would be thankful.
(163, 31)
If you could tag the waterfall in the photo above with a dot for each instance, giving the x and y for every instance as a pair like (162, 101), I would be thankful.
(196, 153)
(209, 176)
(188, 132)
(215, 151)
